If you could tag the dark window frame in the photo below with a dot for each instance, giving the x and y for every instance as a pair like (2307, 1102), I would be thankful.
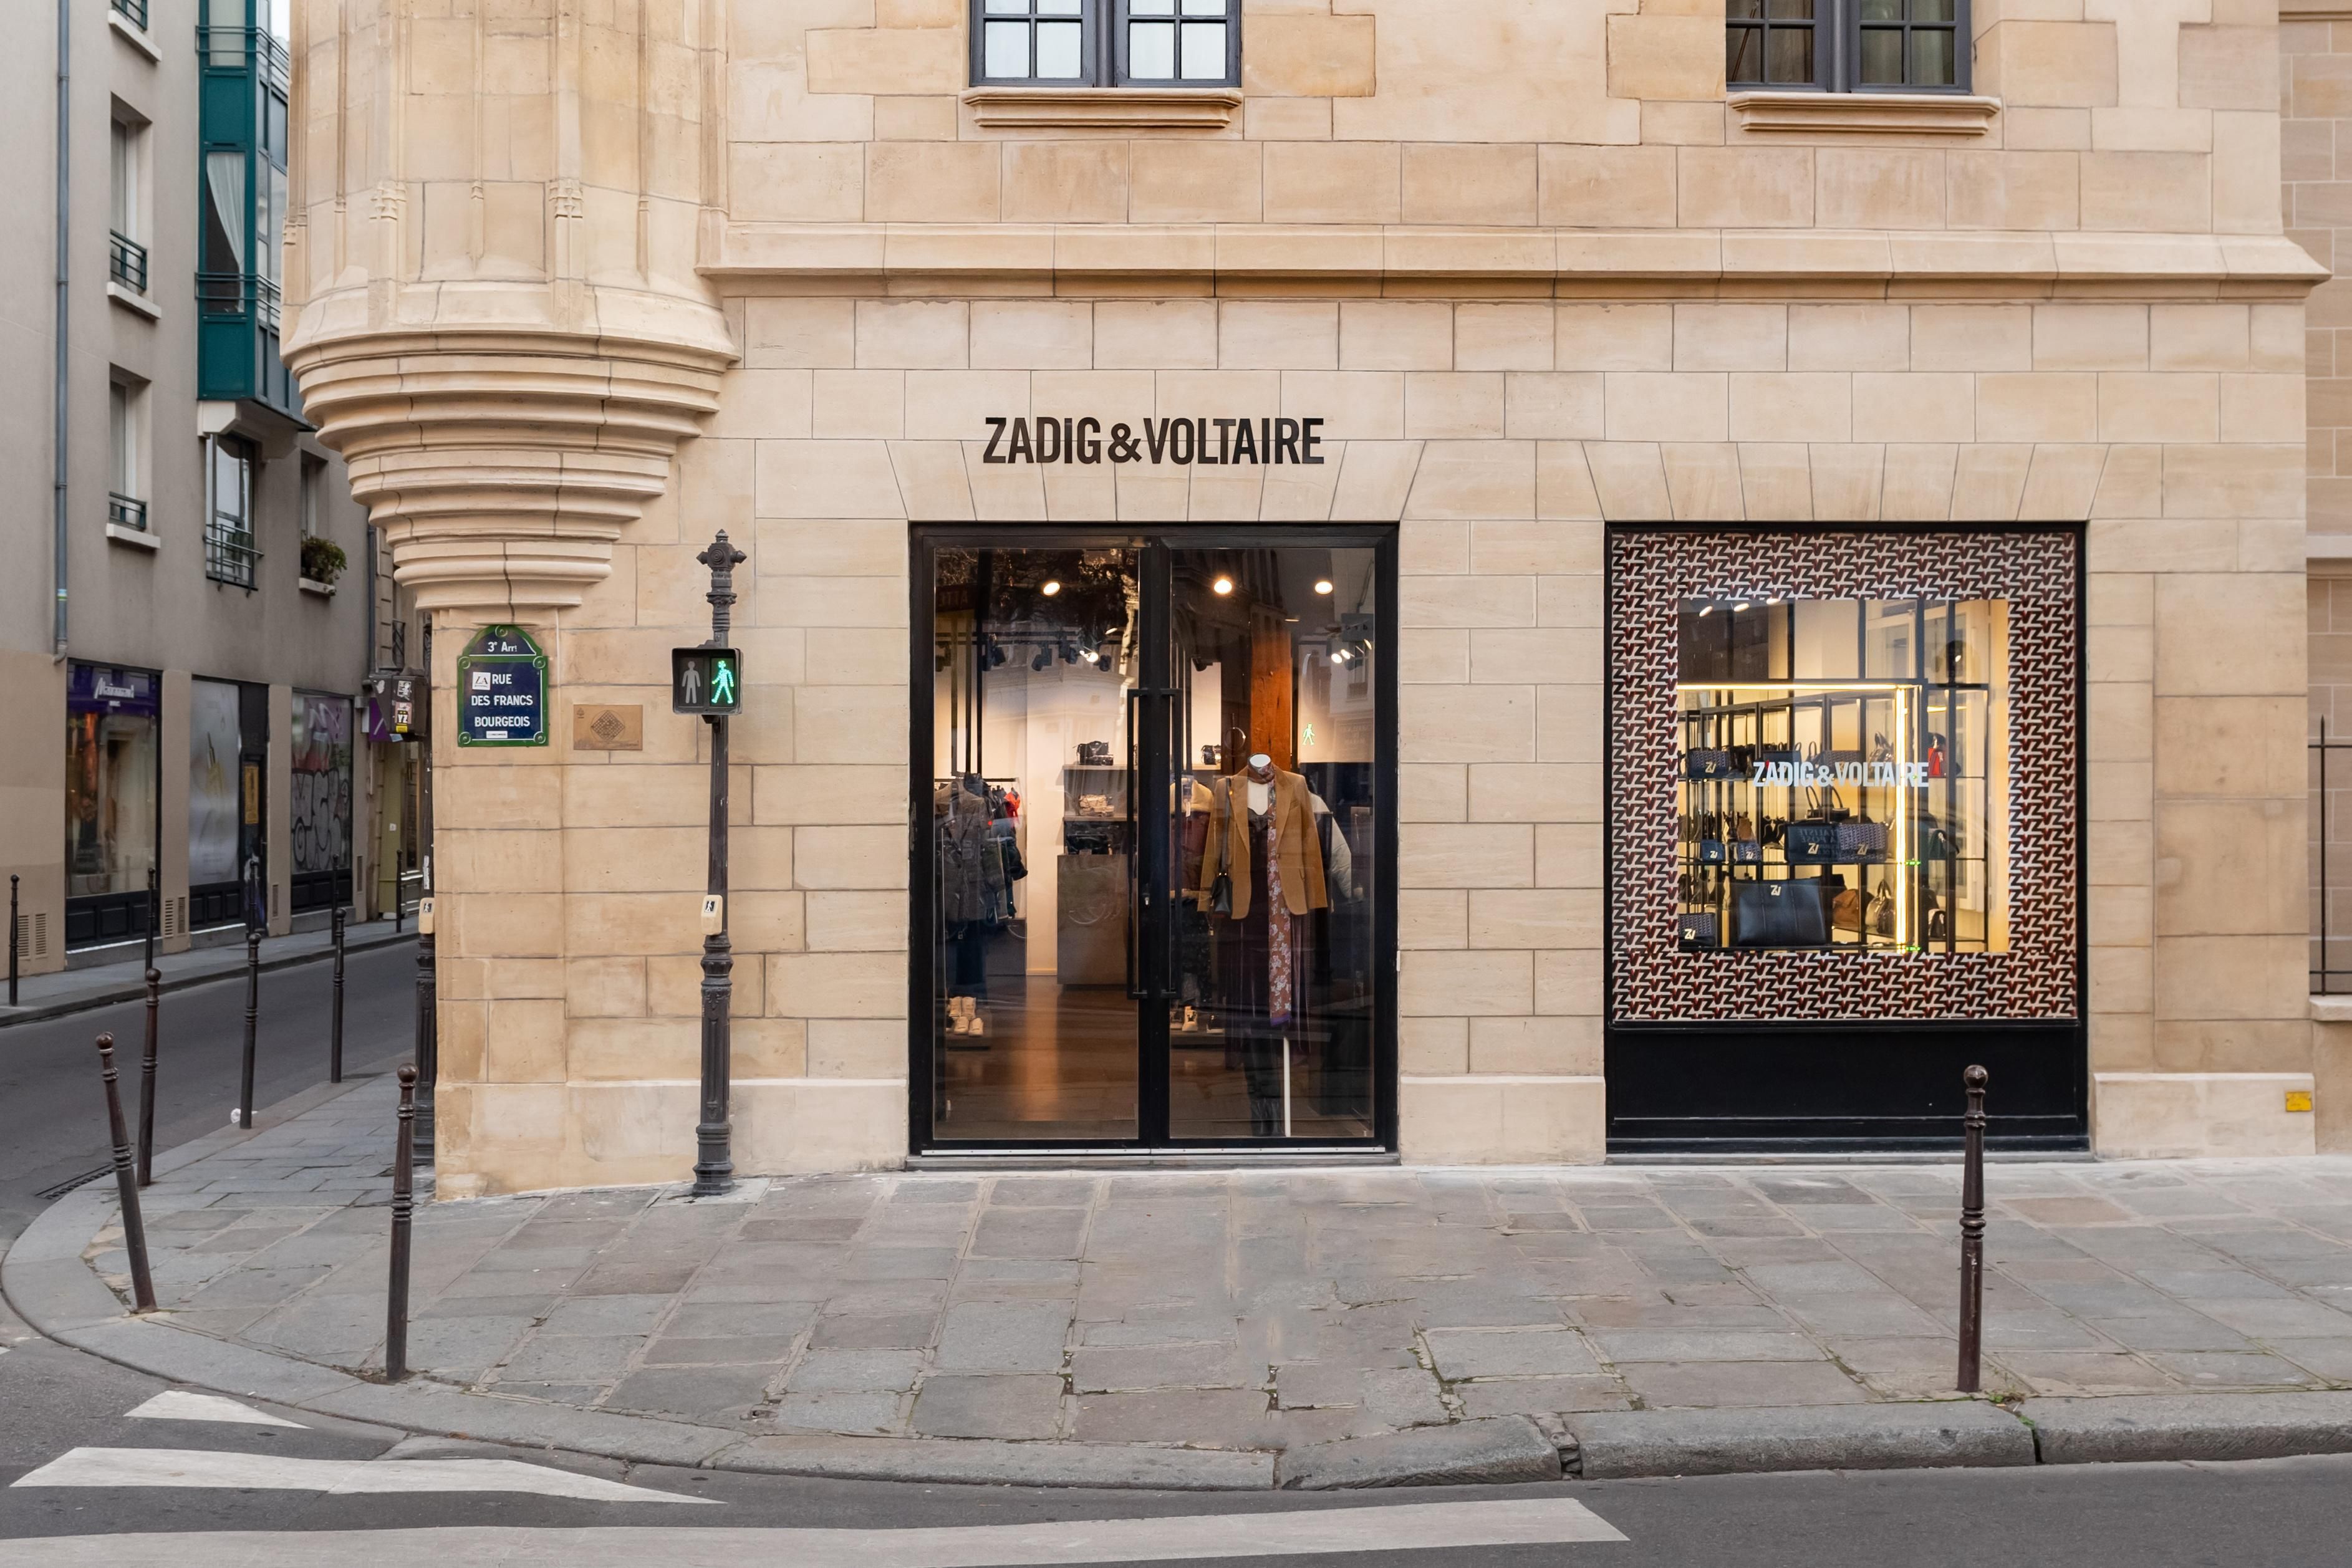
(1837, 27)
(1102, 48)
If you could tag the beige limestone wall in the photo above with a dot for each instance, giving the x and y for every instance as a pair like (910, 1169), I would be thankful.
(1535, 271)
(1489, 433)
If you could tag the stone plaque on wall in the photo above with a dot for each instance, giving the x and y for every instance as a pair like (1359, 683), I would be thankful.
(604, 726)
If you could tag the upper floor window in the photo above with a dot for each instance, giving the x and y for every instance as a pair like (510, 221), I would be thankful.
(1847, 45)
(1107, 43)
(126, 204)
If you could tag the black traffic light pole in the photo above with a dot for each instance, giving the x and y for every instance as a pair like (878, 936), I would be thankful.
(714, 1164)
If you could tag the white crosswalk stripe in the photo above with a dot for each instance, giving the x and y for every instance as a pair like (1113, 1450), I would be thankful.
(277, 1472)
(180, 1405)
(1437, 1527)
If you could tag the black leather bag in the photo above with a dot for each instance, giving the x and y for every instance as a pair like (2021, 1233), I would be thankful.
(1221, 895)
(1862, 842)
(1713, 765)
(1747, 852)
(1697, 933)
(1813, 843)
(1779, 756)
(1790, 913)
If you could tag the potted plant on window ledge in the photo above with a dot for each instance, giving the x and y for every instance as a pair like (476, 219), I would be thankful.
(322, 561)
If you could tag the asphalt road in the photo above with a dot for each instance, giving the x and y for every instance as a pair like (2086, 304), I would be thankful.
(53, 1116)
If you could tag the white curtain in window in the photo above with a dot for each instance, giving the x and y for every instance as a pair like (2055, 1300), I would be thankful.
(225, 182)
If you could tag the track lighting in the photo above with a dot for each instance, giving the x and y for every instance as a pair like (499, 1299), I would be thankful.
(995, 653)
(1090, 656)
(1045, 657)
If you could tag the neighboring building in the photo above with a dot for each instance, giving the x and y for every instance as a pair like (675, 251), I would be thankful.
(1754, 594)
(177, 690)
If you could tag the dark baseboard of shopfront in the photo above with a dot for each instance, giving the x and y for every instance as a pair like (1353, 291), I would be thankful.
(1797, 1089)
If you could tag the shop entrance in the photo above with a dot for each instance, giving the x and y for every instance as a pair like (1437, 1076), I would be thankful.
(1155, 823)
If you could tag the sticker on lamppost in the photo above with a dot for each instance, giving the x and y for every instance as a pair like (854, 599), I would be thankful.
(706, 681)
(502, 689)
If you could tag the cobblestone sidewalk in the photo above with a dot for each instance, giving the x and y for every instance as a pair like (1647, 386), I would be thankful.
(1262, 1311)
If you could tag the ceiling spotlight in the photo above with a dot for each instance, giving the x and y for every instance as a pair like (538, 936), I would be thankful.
(1707, 610)
(1090, 656)
(1045, 657)
(1051, 587)
(1739, 607)
(1222, 585)
(1069, 652)
(1323, 585)
(1339, 655)
(995, 653)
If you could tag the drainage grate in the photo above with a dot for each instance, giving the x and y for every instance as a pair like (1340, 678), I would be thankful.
(70, 1183)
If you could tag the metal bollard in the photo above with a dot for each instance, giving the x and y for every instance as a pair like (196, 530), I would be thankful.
(126, 1183)
(147, 1080)
(428, 1031)
(335, 1021)
(12, 938)
(1972, 1229)
(252, 1021)
(404, 1208)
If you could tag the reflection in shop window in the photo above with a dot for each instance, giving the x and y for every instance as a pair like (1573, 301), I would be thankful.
(1845, 775)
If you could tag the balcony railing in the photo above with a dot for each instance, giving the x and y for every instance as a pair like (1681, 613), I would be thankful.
(238, 294)
(132, 11)
(229, 555)
(226, 49)
(125, 512)
(127, 263)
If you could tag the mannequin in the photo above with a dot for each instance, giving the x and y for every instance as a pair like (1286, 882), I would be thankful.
(1261, 837)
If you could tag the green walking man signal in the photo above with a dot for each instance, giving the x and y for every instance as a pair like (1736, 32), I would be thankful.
(706, 681)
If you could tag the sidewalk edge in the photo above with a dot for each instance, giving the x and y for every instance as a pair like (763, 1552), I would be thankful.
(11, 1017)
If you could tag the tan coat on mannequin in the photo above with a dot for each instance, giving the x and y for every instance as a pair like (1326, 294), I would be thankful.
(1294, 821)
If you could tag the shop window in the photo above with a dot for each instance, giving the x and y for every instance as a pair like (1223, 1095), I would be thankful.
(113, 789)
(320, 827)
(1845, 772)
(1106, 43)
(1847, 45)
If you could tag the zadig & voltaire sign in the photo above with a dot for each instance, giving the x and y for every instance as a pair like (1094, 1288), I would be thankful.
(1208, 443)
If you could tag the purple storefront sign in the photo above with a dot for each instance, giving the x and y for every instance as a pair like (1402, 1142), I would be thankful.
(104, 688)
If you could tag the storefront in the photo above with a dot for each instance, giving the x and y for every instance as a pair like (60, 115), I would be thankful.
(321, 725)
(1159, 774)
(113, 801)
(1845, 846)
(228, 845)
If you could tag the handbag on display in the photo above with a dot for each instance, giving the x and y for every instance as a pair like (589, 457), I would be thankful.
(1833, 760)
(1882, 918)
(1779, 914)
(1940, 925)
(1747, 852)
(1697, 933)
(1862, 841)
(1779, 756)
(1715, 763)
(1221, 895)
(1850, 909)
(1813, 843)
(1711, 851)
(1094, 754)
(1937, 842)
(1743, 826)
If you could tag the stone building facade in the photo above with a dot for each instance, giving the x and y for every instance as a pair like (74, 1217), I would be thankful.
(1593, 344)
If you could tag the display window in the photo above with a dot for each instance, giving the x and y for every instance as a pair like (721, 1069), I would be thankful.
(1843, 847)
(228, 759)
(1157, 891)
(113, 789)
(1844, 778)
(320, 830)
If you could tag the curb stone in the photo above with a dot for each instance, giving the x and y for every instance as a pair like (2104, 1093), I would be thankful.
(1613, 1445)
(2122, 1428)
(1502, 1448)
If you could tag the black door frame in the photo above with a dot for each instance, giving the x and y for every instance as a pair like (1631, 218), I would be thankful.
(1152, 544)
(1724, 1089)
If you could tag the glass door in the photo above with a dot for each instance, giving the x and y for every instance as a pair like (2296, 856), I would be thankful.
(1151, 885)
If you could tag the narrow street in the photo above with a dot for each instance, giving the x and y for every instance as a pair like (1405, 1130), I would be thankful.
(49, 1070)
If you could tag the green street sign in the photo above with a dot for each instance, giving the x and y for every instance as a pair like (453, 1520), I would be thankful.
(706, 681)
(502, 689)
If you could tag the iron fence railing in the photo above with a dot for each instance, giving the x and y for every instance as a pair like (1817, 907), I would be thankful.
(238, 294)
(132, 11)
(125, 511)
(229, 555)
(2331, 929)
(127, 263)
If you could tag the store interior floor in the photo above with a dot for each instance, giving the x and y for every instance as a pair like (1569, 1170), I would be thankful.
(1061, 1062)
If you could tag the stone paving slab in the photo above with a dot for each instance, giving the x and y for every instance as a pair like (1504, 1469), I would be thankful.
(1241, 1311)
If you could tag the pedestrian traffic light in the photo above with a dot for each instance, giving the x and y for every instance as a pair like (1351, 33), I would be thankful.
(706, 681)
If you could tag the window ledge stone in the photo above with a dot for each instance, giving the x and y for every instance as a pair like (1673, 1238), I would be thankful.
(1864, 113)
(312, 585)
(131, 34)
(136, 539)
(138, 303)
(1104, 107)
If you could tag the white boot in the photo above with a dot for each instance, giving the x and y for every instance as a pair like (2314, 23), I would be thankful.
(977, 1020)
(959, 1015)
